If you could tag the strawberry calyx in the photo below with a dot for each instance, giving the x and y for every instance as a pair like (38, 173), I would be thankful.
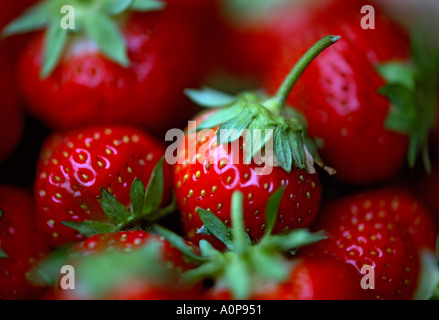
(411, 87)
(243, 265)
(145, 207)
(98, 20)
(261, 119)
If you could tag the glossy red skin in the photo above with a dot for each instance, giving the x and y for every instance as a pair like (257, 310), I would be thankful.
(124, 153)
(338, 92)
(138, 288)
(209, 184)
(11, 118)
(310, 278)
(386, 229)
(86, 88)
(21, 241)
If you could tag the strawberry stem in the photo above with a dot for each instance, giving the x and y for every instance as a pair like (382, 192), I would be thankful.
(277, 103)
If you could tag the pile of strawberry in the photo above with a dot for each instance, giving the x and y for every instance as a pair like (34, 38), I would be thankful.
(310, 172)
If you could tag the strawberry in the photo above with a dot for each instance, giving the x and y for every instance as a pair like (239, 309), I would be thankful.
(225, 159)
(11, 118)
(388, 230)
(82, 170)
(373, 103)
(117, 66)
(148, 259)
(21, 244)
(262, 270)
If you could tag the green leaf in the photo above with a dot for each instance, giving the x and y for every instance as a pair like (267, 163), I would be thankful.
(295, 239)
(114, 7)
(54, 42)
(154, 190)
(272, 210)
(137, 195)
(269, 266)
(240, 238)
(147, 5)
(35, 18)
(238, 279)
(210, 98)
(258, 138)
(233, 129)
(216, 227)
(403, 113)
(207, 250)
(105, 32)
(177, 242)
(219, 117)
(3, 254)
(90, 228)
(116, 212)
(283, 150)
(46, 271)
(296, 144)
(398, 73)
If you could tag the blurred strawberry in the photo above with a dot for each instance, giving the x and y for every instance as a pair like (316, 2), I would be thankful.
(21, 244)
(118, 65)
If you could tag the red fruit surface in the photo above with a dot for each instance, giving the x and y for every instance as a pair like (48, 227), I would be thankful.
(86, 88)
(388, 230)
(11, 118)
(21, 242)
(74, 166)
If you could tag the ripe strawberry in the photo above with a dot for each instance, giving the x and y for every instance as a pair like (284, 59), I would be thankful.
(148, 259)
(222, 161)
(388, 230)
(73, 168)
(21, 244)
(371, 104)
(11, 118)
(118, 65)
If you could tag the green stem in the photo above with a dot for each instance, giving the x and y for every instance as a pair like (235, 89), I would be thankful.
(277, 103)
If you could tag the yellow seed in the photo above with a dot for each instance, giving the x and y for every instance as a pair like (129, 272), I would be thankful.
(100, 164)
(65, 154)
(58, 195)
(203, 193)
(220, 206)
(197, 174)
(229, 180)
(129, 170)
(191, 193)
(179, 184)
(108, 151)
(214, 188)
(81, 157)
(85, 177)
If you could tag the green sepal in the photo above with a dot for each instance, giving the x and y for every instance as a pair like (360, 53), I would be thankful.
(411, 87)
(54, 43)
(238, 279)
(219, 117)
(97, 275)
(145, 207)
(272, 210)
(33, 19)
(233, 129)
(116, 212)
(99, 20)
(147, 5)
(209, 98)
(216, 227)
(105, 32)
(46, 272)
(115, 7)
(3, 254)
(90, 228)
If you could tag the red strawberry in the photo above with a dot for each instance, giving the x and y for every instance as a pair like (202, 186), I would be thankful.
(388, 230)
(73, 168)
(129, 281)
(109, 70)
(365, 105)
(11, 118)
(21, 244)
(222, 162)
